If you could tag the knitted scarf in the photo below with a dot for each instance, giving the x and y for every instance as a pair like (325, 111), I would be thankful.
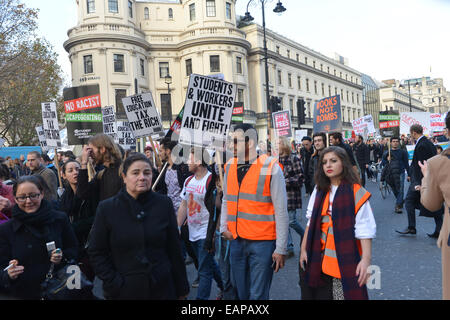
(37, 222)
(343, 216)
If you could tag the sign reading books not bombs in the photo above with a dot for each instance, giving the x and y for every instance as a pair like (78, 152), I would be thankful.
(83, 113)
(143, 116)
(207, 112)
(327, 115)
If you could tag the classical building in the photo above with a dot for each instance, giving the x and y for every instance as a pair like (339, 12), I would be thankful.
(129, 46)
(432, 93)
(371, 98)
(394, 98)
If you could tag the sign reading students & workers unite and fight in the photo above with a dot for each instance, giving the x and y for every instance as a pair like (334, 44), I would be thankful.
(83, 113)
(327, 115)
(50, 124)
(143, 116)
(109, 122)
(282, 123)
(207, 112)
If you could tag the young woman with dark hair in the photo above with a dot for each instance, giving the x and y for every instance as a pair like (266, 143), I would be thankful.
(336, 250)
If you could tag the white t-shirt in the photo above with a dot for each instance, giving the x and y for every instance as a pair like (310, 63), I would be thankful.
(365, 226)
(197, 214)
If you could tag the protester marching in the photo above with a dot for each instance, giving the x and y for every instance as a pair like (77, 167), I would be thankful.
(132, 205)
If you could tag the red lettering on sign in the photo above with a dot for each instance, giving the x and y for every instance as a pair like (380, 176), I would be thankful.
(83, 103)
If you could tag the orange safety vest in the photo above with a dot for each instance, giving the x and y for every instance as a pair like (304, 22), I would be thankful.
(330, 264)
(251, 214)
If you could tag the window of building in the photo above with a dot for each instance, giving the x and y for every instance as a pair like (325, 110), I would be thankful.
(298, 57)
(163, 69)
(170, 14)
(119, 94)
(340, 75)
(299, 83)
(329, 91)
(353, 97)
(334, 72)
(291, 105)
(357, 98)
(240, 95)
(113, 6)
(119, 65)
(288, 52)
(306, 60)
(321, 67)
(342, 94)
(279, 78)
(346, 79)
(328, 69)
(335, 91)
(290, 80)
(130, 9)
(315, 87)
(166, 107)
(239, 65)
(142, 64)
(146, 14)
(88, 67)
(278, 49)
(210, 8)
(192, 12)
(90, 6)
(188, 67)
(307, 85)
(214, 63)
(323, 89)
(228, 10)
(314, 64)
(347, 99)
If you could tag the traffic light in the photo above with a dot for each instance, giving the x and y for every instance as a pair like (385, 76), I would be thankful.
(301, 111)
(275, 104)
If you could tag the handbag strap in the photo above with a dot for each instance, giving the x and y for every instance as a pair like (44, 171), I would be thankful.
(50, 272)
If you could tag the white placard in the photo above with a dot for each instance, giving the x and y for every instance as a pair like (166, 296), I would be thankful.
(299, 134)
(207, 112)
(143, 116)
(407, 119)
(124, 135)
(50, 124)
(109, 122)
(363, 126)
(437, 122)
(41, 137)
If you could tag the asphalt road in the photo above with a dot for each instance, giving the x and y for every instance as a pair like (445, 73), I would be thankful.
(409, 265)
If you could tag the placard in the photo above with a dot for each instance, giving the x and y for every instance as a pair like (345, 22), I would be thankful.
(109, 122)
(389, 123)
(50, 124)
(238, 112)
(327, 115)
(407, 119)
(207, 112)
(363, 126)
(41, 137)
(143, 116)
(125, 136)
(299, 134)
(437, 123)
(282, 123)
(83, 113)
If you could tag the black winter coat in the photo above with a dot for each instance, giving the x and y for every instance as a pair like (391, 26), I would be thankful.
(16, 242)
(135, 248)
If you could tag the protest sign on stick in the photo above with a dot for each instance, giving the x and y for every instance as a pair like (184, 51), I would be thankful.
(389, 123)
(50, 124)
(41, 137)
(282, 123)
(327, 115)
(143, 116)
(109, 122)
(363, 126)
(125, 137)
(207, 112)
(407, 119)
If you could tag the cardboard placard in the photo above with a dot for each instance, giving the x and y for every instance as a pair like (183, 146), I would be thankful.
(125, 136)
(50, 124)
(282, 123)
(143, 116)
(41, 137)
(327, 115)
(109, 122)
(299, 134)
(389, 123)
(363, 126)
(207, 112)
(407, 119)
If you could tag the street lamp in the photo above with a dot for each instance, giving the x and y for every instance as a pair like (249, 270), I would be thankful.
(168, 81)
(409, 93)
(247, 18)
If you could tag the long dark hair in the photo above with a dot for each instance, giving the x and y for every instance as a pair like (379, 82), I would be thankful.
(323, 183)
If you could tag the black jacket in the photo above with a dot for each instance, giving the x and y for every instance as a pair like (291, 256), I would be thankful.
(16, 242)
(424, 150)
(81, 214)
(362, 154)
(135, 248)
(349, 151)
(182, 174)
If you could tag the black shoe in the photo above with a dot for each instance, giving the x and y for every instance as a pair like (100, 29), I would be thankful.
(407, 231)
(433, 235)
(398, 209)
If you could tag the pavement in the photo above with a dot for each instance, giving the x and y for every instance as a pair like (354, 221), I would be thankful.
(409, 265)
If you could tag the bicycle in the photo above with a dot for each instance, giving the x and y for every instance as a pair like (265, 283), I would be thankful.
(385, 189)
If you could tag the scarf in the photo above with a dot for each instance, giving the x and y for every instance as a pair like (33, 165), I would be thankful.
(36, 222)
(343, 216)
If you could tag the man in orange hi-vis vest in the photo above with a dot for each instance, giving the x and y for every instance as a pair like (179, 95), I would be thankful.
(254, 215)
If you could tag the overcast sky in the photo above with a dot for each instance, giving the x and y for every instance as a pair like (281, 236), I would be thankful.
(383, 38)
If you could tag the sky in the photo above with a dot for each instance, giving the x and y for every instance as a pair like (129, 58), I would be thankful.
(385, 39)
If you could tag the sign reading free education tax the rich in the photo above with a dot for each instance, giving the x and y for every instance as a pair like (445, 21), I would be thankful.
(83, 113)
(207, 112)
(143, 116)
(50, 124)
(327, 115)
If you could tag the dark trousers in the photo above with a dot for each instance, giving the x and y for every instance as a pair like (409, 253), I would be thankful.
(412, 202)
(188, 244)
(320, 293)
(362, 167)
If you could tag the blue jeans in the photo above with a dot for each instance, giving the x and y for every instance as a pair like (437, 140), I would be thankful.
(207, 271)
(223, 256)
(293, 223)
(251, 267)
(400, 193)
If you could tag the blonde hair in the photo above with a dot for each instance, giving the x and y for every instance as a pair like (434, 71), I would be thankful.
(284, 146)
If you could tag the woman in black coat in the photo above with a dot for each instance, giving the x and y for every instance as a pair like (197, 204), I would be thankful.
(134, 246)
(23, 241)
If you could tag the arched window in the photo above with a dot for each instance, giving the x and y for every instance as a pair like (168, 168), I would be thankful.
(146, 14)
(170, 14)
